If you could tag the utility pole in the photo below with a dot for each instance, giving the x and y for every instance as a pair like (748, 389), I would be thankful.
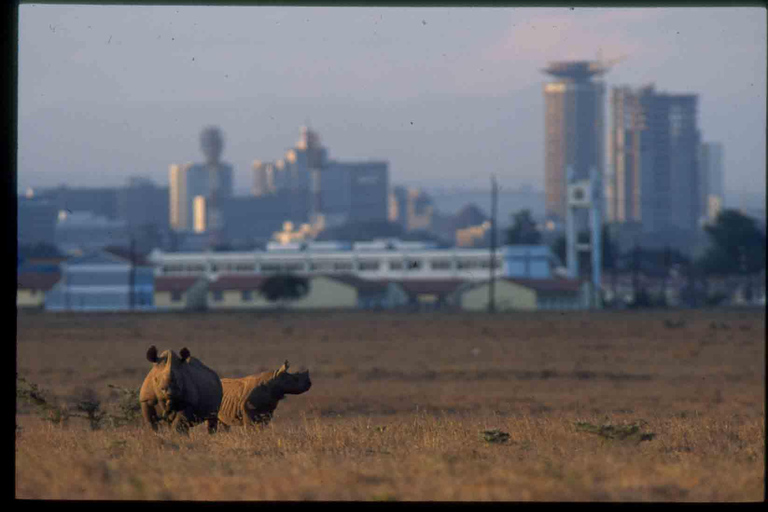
(131, 276)
(66, 286)
(492, 281)
(667, 270)
(635, 270)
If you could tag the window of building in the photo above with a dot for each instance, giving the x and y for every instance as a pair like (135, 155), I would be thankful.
(413, 264)
(370, 265)
(247, 295)
(395, 265)
(244, 268)
(440, 264)
(294, 267)
(218, 295)
(318, 266)
(342, 266)
(268, 268)
(175, 296)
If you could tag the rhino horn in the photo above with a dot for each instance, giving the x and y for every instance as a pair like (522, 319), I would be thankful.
(152, 354)
(184, 353)
(283, 368)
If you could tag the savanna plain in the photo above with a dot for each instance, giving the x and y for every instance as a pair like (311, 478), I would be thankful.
(400, 403)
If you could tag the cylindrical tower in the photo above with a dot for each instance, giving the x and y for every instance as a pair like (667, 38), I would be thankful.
(573, 128)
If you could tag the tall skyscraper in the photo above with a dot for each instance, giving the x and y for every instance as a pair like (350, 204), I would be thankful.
(212, 180)
(654, 179)
(573, 128)
(177, 192)
(711, 174)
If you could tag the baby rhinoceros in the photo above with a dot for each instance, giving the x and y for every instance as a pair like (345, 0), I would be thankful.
(180, 391)
(252, 400)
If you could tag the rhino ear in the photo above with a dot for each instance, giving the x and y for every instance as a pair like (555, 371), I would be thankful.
(184, 353)
(152, 354)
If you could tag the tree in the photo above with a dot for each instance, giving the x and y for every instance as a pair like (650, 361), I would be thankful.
(737, 245)
(523, 230)
(737, 248)
(284, 288)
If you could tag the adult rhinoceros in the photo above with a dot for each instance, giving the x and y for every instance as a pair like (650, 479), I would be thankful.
(252, 400)
(179, 390)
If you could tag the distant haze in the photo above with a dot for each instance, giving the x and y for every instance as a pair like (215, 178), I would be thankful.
(446, 95)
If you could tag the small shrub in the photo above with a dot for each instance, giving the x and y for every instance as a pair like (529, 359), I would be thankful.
(629, 431)
(128, 406)
(29, 392)
(494, 436)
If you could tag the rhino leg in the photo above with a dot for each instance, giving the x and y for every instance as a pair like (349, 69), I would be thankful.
(253, 417)
(250, 416)
(213, 424)
(149, 414)
(183, 421)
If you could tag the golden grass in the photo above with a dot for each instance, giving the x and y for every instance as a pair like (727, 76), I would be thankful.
(398, 402)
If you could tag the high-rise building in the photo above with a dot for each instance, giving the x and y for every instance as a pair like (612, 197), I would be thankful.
(316, 187)
(177, 197)
(36, 222)
(654, 179)
(351, 192)
(212, 180)
(711, 174)
(101, 201)
(398, 206)
(573, 128)
(420, 210)
(293, 170)
(143, 203)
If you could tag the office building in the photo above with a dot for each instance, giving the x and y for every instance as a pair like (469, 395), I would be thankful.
(212, 180)
(293, 171)
(351, 192)
(654, 181)
(573, 128)
(101, 201)
(36, 221)
(398, 206)
(711, 174)
(84, 231)
(142, 203)
(322, 191)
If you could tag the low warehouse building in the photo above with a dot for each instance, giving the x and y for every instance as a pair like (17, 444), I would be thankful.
(527, 295)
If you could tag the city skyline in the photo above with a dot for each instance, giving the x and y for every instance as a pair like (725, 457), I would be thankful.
(114, 91)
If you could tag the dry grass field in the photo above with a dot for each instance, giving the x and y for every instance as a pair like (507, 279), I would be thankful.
(398, 403)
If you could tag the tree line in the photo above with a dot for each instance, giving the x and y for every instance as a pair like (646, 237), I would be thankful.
(736, 248)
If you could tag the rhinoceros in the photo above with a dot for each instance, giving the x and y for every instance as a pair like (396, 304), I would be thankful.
(252, 400)
(179, 390)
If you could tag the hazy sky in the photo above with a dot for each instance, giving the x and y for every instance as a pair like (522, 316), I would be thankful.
(446, 95)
